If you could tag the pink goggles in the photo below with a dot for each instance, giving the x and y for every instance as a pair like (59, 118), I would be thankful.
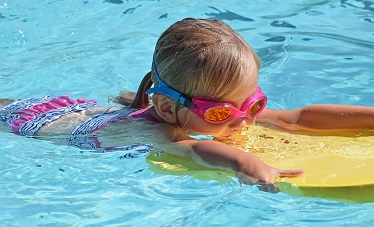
(216, 111)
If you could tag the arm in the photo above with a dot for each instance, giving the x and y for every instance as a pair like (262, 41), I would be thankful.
(247, 167)
(321, 117)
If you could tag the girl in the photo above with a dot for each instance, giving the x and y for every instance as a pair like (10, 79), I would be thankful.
(205, 80)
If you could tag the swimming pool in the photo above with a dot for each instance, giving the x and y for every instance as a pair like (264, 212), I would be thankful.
(312, 52)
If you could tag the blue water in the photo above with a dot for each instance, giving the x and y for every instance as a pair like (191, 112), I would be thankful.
(312, 52)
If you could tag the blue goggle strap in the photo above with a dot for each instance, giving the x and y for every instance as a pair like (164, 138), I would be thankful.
(163, 89)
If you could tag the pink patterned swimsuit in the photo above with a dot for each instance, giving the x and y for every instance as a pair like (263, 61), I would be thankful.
(27, 116)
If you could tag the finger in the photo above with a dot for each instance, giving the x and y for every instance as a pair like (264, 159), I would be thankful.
(272, 188)
(290, 173)
(245, 179)
(266, 187)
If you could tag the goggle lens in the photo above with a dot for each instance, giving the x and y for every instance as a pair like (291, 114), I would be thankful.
(257, 107)
(217, 114)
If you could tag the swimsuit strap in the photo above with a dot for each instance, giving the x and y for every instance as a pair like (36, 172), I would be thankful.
(101, 120)
(142, 114)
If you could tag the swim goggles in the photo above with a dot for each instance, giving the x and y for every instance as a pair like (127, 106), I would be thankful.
(212, 110)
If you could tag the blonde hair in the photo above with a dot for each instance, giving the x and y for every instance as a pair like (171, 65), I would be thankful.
(200, 57)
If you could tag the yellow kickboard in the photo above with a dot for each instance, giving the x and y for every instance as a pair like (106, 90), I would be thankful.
(338, 168)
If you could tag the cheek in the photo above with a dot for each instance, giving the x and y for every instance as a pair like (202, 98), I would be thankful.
(184, 117)
(193, 122)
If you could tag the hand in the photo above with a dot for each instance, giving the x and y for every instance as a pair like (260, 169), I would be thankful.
(252, 170)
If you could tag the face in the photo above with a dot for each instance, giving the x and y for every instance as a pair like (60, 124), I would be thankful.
(191, 122)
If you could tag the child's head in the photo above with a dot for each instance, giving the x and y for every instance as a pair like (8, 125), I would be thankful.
(200, 60)
(200, 57)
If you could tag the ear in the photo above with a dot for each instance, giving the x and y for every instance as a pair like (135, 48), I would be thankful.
(165, 108)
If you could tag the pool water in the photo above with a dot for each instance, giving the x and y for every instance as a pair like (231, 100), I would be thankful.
(312, 51)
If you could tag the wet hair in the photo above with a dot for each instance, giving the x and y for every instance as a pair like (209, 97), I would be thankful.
(198, 57)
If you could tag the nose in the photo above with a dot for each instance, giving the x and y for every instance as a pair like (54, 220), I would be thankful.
(241, 123)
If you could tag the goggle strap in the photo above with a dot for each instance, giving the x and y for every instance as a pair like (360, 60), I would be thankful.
(163, 89)
(185, 102)
(171, 94)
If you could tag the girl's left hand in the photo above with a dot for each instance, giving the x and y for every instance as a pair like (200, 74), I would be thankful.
(251, 170)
